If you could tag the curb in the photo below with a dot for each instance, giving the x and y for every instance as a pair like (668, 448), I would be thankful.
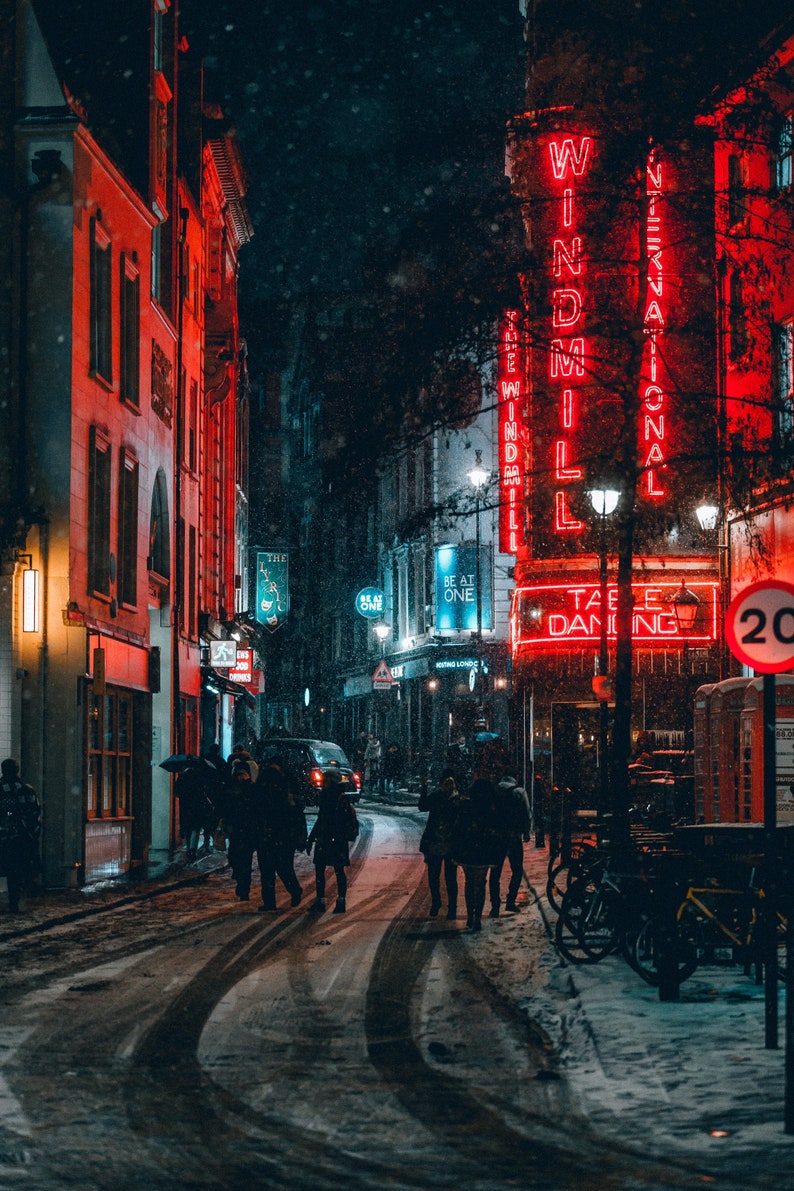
(146, 892)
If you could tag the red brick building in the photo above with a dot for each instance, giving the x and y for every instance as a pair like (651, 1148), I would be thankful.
(120, 521)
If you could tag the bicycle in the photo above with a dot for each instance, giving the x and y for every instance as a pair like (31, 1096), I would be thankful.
(601, 913)
(714, 919)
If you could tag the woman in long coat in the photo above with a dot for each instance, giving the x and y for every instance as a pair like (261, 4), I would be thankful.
(283, 832)
(335, 827)
(436, 842)
(477, 844)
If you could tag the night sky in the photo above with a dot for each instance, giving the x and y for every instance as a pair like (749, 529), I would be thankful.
(355, 115)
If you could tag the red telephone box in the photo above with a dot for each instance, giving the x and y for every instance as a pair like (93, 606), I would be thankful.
(752, 744)
(704, 795)
(726, 707)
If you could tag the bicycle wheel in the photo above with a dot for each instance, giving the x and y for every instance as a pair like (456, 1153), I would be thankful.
(589, 925)
(568, 943)
(648, 951)
(585, 862)
(697, 936)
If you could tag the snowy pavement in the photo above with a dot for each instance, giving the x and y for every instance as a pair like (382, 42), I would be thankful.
(688, 1081)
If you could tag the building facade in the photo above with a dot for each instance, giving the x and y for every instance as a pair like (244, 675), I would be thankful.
(613, 408)
(114, 441)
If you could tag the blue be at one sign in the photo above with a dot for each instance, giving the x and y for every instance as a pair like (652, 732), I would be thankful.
(456, 587)
(371, 603)
(759, 626)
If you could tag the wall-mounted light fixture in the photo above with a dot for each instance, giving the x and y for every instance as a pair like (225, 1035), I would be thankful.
(30, 595)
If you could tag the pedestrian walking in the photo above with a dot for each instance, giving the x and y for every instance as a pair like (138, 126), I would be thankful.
(359, 753)
(372, 761)
(459, 760)
(513, 807)
(241, 753)
(477, 844)
(392, 768)
(20, 828)
(283, 833)
(335, 828)
(244, 817)
(196, 811)
(436, 843)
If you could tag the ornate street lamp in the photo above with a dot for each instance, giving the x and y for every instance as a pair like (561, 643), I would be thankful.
(604, 502)
(478, 477)
(685, 606)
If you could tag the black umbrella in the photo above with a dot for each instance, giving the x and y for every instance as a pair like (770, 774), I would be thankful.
(179, 762)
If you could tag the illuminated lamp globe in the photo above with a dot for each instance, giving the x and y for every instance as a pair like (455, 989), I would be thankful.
(478, 476)
(382, 631)
(604, 500)
(707, 516)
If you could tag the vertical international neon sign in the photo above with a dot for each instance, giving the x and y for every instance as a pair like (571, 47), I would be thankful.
(570, 160)
(511, 383)
(652, 413)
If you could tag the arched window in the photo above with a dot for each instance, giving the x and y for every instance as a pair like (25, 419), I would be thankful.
(159, 530)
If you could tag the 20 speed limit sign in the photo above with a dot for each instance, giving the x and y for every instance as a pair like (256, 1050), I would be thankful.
(759, 625)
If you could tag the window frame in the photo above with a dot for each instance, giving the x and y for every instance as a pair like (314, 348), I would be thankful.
(129, 333)
(100, 468)
(108, 770)
(127, 543)
(784, 154)
(100, 315)
(784, 384)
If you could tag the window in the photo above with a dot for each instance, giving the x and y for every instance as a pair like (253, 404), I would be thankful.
(736, 208)
(784, 384)
(159, 537)
(191, 594)
(109, 761)
(100, 305)
(99, 513)
(192, 428)
(783, 163)
(128, 530)
(737, 322)
(157, 253)
(130, 347)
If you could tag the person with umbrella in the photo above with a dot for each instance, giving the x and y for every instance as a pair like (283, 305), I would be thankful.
(196, 811)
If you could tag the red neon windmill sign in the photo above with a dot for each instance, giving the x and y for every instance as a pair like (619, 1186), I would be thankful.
(581, 365)
(570, 159)
(511, 381)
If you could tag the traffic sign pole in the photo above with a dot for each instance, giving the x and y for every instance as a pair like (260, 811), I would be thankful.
(759, 626)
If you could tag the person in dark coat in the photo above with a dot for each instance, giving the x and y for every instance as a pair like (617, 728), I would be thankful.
(477, 844)
(20, 827)
(196, 811)
(334, 830)
(513, 807)
(392, 768)
(459, 760)
(284, 833)
(436, 842)
(244, 817)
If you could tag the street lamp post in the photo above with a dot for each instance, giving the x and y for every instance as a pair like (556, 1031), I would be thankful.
(604, 502)
(381, 632)
(478, 478)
